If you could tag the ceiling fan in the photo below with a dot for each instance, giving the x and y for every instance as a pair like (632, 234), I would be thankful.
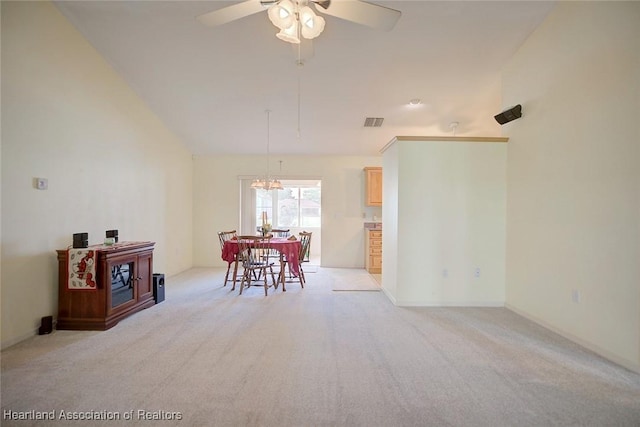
(295, 18)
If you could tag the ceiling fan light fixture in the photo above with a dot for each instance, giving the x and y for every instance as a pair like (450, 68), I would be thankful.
(282, 14)
(289, 34)
(312, 24)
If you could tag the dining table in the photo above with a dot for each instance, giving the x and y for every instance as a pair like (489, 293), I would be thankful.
(288, 249)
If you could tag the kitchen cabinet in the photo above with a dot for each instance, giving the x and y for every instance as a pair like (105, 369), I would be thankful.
(373, 249)
(373, 186)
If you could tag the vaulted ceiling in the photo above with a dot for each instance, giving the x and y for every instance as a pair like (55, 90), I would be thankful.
(211, 86)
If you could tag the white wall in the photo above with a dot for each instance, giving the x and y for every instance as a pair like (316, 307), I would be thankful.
(451, 203)
(390, 206)
(68, 117)
(574, 177)
(216, 202)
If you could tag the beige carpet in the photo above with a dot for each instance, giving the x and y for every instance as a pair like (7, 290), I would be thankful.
(348, 279)
(313, 357)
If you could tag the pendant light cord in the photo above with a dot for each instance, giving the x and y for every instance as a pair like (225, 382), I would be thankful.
(299, 84)
(268, 140)
(300, 64)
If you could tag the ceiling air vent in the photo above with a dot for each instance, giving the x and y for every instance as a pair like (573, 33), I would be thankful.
(373, 122)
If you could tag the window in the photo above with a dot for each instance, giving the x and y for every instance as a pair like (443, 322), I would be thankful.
(297, 205)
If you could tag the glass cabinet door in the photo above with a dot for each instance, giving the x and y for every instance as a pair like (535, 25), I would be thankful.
(121, 283)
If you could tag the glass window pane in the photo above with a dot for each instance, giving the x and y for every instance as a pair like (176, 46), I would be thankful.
(288, 207)
(264, 203)
(310, 212)
(295, 205)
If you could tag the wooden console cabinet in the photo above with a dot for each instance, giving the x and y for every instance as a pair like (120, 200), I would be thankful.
(123, 286)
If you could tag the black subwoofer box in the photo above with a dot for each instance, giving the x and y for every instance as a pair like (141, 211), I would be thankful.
(46, 325)
(158, 287)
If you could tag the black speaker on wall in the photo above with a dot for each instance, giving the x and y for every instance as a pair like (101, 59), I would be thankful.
(158, 287)
(509, 115)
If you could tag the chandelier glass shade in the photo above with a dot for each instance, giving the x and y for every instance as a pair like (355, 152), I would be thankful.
(295, 21)
(267, 182)
(290, 34)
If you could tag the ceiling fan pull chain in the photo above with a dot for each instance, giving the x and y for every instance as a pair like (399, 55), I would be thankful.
(300, 64)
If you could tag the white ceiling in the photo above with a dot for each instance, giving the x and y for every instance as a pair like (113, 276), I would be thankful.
(211, 86)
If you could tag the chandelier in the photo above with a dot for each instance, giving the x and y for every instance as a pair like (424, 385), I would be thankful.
(267, 183)
(294, 19)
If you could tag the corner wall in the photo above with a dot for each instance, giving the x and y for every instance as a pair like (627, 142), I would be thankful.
(110, 163)
(573, 210)
(449, 229)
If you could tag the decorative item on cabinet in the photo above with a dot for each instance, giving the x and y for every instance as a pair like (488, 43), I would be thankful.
(106, 285)
(112, 234)
(373, 186)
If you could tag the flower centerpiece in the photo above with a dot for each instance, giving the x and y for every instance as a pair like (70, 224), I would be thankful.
(266, 228)
(266, 225)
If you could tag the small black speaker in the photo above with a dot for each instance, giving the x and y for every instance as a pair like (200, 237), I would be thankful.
(46, 325)
(158, 287)
(81, 240)
(112, 233)
(509, 115)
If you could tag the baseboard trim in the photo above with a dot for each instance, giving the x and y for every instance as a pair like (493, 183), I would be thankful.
(635, 367)
(8, 343)
(409, 303)
(388, 294)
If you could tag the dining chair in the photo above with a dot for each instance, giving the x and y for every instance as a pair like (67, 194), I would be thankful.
(253, 255)
(223, 236)
(280, 232)
(305, 250)
(274, 254)
(305, 246)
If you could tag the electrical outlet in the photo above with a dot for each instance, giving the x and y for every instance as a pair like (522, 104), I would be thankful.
(476, 273)
(575, 296)
(41, 183)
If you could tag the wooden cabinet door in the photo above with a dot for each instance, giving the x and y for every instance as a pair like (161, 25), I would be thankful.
(375, 263)
(373, 246)
(144, 275)
(373, 184)
(119, 284)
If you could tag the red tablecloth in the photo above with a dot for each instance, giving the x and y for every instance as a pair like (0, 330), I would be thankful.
(289, 248)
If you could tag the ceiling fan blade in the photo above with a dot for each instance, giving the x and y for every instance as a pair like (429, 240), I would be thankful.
(303, 51)
(360, 12)
(231, 13)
